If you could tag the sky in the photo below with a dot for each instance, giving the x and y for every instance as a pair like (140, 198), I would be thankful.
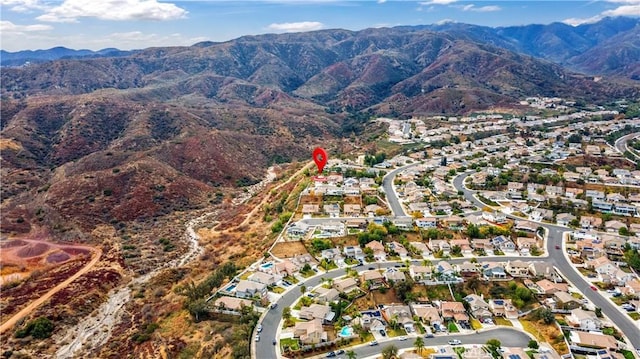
(136, 24)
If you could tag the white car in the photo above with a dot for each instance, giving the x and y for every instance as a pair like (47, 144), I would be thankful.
(257, 337)
(259, 328)
(454, 342)
(402, 338)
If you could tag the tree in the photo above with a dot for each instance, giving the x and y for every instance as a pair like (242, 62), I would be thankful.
(303, 289)
(533, 344)
(419, 344)
(286, 313)
(351, 354)
(493, 345)
(197, 308)
(598, 312)
(390, 351)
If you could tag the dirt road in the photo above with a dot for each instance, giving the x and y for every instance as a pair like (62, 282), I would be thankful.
(36, 303)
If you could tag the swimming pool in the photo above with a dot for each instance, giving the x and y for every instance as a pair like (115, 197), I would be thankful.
(267, 265)
(346, 332)
(231, 288)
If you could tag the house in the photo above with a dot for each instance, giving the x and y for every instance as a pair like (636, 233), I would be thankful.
(476, 352)
(602, 265)
(286, 268)
(571, 192)
(420, 273)
(444, 269)
(317, 311)
(614, 226)
(445, 352)
(583, 319)
(378, 250)
(231, 305)
(403, 223)
(353, 252)
(503, 308)
(427, 222)
(427, 313)
(479, 307)
(525, 244)
(297, 229)
(589, 222)
(593, 340)
(333, 254)
(494, 217)
(468, 269)
(420, 249)
(481, 244)
(249, 289)
(503, 244)
(345, 285)
(542, 270)
(463, 243)
(453, 311)
(493, 271)
(563, 219)
(564, 300)
(526, 226)
(310, 209)
(326, 295)
(332, 209)
(548, 287)
(515, 186)
(352, 210)
(373, 278)
(394, 275)
(264, 278)
(310, 332)
(517, 268)
(453, 222)
(399, 249)
(401, 314)
(440, 245)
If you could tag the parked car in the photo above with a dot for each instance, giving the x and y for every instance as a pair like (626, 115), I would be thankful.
(373, 343)
(557, 246)
(593, 287)
(339, 351)
(454, 342)
(259, 328)
(274, 342)
(382, 332)
(331, 354)
(274, 305)
(402, 338)
(257, 337)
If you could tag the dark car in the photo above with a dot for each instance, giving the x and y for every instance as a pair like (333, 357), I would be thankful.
(331, 354)
(382, 332)
(274, 342)
(557, 246)
(340, 351)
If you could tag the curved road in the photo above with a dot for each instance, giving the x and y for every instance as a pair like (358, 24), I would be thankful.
(621, 144)
(564, 266)
(509, 337)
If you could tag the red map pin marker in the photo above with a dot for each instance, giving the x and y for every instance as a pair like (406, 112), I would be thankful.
(320, 158)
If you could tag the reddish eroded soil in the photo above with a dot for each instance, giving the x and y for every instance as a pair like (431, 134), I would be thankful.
(40, 282)
(12, 243)
(58, 257)
(32, 250)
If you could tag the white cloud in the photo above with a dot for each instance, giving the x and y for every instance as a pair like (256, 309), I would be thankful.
(296, 26)
(438, 2)
(488, 8)
(382, 1)
(630, 8)
(117, 10)
(23, 5)
(625, 10)
(7, 27)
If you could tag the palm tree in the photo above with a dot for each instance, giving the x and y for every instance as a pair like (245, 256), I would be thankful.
(303, 289)
(419, 344)
(351, 354)
(389, 352)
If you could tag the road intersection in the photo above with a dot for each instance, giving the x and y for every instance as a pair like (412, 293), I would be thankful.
(271, 320)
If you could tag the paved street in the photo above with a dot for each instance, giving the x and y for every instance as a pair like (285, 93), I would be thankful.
(564, 266)
(508, 336)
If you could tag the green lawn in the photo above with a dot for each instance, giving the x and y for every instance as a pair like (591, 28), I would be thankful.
(475, 324)
(634, 315)
(502, 321)
(293, 344)
(278, 290)
(453, 328)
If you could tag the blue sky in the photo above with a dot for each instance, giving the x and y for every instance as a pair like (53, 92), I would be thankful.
(131, 24)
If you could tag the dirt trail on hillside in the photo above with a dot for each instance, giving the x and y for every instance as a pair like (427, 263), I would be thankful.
(36, 303)
(96, 330)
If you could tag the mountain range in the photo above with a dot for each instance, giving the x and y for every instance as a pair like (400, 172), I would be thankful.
(108, 139)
